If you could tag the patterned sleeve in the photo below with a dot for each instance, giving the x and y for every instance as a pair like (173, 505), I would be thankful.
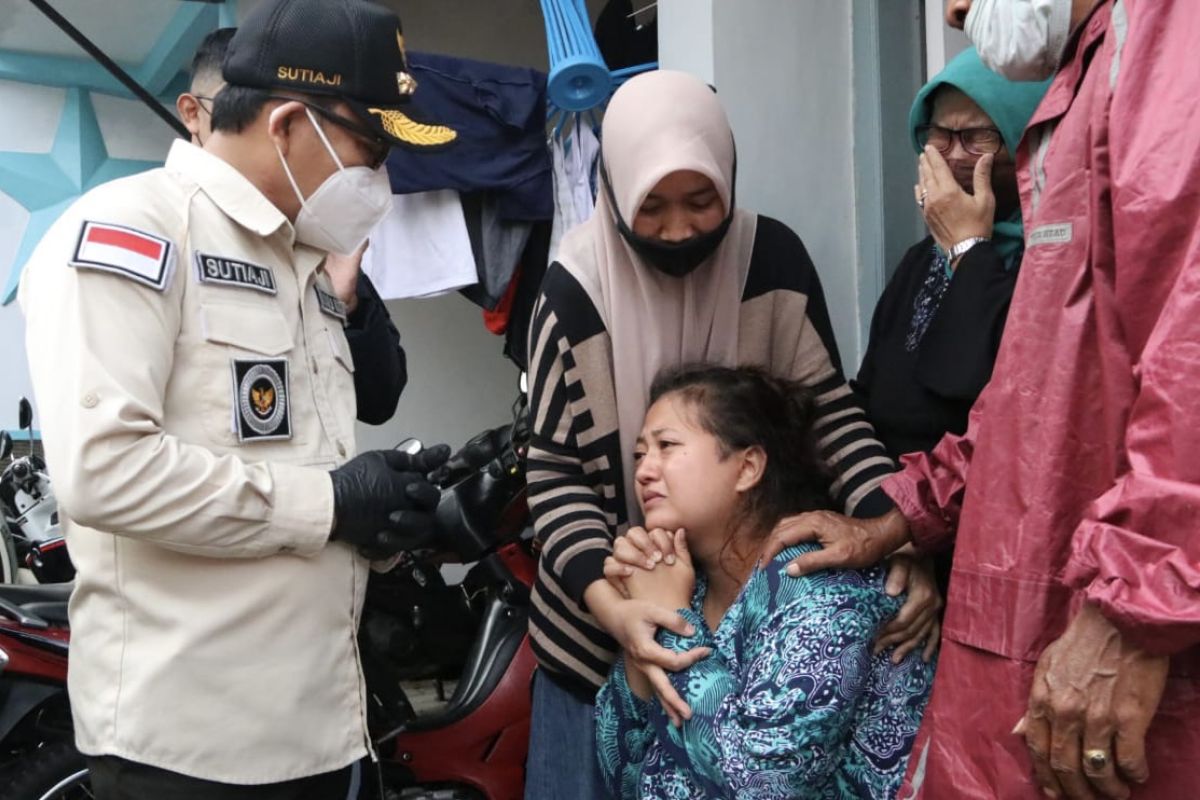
(778, 726)
(623, 734)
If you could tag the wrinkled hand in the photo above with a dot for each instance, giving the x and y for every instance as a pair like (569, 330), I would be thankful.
(382, 499)
(917, 623)
(846, 542)
(951, 213)
(1092, 690)
(638, 549)
(634, 623)
(343, 275)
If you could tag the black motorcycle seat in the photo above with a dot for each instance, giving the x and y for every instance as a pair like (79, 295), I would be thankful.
(22, 594)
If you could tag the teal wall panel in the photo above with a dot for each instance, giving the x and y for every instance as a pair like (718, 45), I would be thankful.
(46, 184)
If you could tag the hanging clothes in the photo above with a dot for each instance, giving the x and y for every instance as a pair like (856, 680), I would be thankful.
(496, 244)
(499, 115)
(574, 159)
(421, 248)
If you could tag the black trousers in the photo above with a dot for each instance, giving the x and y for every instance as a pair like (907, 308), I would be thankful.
(118, 779)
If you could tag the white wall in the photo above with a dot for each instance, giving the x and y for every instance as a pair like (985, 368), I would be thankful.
(792, 115)
(942, 42)
(818, 96)
(459, 382)
(685, 37)
(782, 69)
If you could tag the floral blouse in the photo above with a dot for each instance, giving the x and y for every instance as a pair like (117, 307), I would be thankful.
(791, 703)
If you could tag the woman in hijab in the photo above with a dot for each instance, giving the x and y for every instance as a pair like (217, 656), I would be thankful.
(937, 326)
(667, 271)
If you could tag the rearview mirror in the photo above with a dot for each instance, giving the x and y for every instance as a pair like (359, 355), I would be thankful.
(24, 414)
(6, 444)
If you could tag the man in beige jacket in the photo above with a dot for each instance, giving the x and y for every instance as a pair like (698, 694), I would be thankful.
(197, 395)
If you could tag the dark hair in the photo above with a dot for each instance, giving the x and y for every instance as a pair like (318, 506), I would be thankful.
(211, 53)
(236, 107)
(748, 407)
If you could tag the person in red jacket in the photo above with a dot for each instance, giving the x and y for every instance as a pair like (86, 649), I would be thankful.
(1070, 663)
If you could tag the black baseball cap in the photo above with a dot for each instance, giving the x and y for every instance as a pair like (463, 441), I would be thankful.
(349, 49)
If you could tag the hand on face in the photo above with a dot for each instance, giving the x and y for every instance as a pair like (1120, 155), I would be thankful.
(951, 213)
(343, 274)
(1093, 698)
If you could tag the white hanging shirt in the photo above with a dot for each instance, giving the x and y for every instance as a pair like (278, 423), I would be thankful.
(421, 248)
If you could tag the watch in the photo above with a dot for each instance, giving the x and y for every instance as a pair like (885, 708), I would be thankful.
(959, 250)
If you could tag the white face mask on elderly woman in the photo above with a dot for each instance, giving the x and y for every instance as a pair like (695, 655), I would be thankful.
(339, 215)
(1023, 40)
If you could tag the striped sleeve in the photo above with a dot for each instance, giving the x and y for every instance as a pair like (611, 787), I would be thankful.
(781, 267)
(845, 438)
(568, 516)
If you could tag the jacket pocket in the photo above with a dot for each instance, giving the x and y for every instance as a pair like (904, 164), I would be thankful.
(248, 335)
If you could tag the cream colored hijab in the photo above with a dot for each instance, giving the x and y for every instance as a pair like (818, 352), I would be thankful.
(658, 123)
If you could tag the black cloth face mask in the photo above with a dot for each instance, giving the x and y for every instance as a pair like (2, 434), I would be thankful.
(676, 259)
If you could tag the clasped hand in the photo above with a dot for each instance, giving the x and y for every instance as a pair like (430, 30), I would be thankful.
(632, 605)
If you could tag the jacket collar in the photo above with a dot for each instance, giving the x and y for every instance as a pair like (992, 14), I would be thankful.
(233, 193)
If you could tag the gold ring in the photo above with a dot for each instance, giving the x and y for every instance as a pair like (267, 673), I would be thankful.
(1096, 759)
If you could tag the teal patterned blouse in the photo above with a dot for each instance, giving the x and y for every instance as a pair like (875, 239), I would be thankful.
(791, 703)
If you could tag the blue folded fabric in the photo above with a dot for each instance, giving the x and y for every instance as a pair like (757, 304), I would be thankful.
(499, 114)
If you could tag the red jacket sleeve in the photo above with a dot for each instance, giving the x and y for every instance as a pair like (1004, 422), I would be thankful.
(1137, 552)
(929, 489)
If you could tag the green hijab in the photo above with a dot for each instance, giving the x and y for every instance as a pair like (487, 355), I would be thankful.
(1010, 104)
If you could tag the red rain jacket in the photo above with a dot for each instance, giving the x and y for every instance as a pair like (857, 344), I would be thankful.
(1079, 475)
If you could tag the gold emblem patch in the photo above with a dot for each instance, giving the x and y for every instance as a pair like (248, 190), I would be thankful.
(408, 130)
(260, 392)
(264, 399)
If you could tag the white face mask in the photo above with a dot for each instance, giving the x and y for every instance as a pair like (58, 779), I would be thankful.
(340, 214)
(1023, 40)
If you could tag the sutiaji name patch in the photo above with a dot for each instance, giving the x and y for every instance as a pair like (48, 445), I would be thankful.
(232, 272)
(331, 304)
(261, 405)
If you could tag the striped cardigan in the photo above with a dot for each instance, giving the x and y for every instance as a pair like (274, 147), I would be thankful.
(576, 490)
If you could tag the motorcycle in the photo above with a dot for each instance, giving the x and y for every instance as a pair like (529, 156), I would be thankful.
(415, 627)
(33, 538)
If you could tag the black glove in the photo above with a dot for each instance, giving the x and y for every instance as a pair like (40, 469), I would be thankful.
(385, 492)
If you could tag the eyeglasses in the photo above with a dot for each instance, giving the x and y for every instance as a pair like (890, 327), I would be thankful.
(377, 147)
(200, 97)
(976, 141)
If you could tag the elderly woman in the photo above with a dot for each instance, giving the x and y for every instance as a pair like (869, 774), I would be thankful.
(668, 270)
(937, 326)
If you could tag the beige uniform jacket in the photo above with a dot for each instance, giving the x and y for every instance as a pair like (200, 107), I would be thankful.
(195, 387)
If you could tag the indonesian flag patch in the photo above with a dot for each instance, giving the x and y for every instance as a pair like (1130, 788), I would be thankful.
(128, 252)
